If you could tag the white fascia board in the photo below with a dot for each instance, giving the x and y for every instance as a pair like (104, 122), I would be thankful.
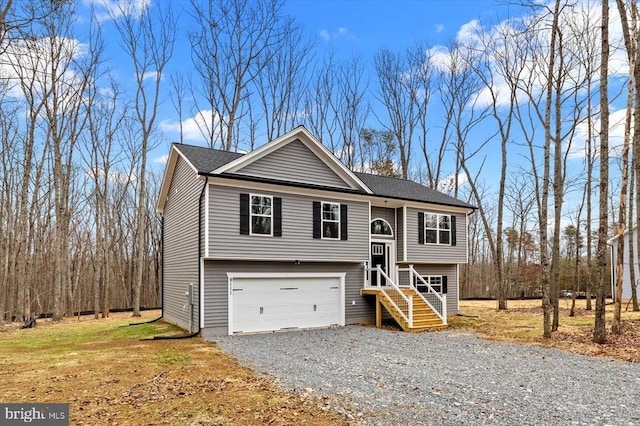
(172, 161)
(615, 237)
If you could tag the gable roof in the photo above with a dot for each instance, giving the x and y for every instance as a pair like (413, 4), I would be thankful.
(403, 189)
(302, 135)
(214, 162)
(204, 160)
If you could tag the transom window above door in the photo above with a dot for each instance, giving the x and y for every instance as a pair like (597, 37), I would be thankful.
(381, 227)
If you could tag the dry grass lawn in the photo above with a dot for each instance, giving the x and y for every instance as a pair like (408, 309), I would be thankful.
(522, 323)
(109, 376)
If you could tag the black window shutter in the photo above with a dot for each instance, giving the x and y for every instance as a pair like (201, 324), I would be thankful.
(317, 223)
(277, 217)
(453, 231)
(444, 285)
(343, 221)
(420, 228)
(244, 214)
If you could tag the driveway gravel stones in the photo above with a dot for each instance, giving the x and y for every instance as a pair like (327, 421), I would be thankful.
(383, 377)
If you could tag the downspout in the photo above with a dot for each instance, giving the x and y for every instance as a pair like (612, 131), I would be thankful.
(197, 332)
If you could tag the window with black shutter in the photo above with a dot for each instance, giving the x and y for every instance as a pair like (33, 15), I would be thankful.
(330, 221)
(260, 215)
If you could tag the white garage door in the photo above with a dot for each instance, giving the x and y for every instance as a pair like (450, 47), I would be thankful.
(277, 302)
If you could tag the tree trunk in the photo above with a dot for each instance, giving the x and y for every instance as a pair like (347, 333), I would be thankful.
(599, 328)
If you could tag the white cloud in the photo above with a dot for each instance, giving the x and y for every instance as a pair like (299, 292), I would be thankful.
(150, 75)
(162, 159)
(338, 33)
(616, 135)
(439, 28)
(196, 128)
(583, 18)
(29, 61)
(113, 9)
(447, 185)
(468, 34)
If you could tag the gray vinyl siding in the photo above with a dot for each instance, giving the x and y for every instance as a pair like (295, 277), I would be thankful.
(296, 242)
(400, 234)
(216, 313)
(387, 214)
(181, 245)
(294, 162)
(433, 253)
(451, 271)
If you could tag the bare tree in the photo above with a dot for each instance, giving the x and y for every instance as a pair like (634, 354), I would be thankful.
(284, 79)
(502, 60)
(233, 41)
(317, 113)
(350, 109)
(148, 40)
(629, 22)
(405, 88)
(599, 328)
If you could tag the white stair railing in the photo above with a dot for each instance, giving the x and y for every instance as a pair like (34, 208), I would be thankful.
(438, 302)
(397, 298)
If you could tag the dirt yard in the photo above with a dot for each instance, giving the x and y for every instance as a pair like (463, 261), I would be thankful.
(522, 323)
(109, 376)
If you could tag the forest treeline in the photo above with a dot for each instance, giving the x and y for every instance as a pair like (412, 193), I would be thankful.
(511, 116)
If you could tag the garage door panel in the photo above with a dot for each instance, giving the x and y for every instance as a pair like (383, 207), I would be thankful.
(274, 303)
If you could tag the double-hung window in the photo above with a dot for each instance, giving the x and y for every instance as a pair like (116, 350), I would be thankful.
(261, 215)
(331, 221)
(436, 228)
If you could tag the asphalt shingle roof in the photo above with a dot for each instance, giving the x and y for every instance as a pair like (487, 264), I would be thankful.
(205, 160)
(407, 190)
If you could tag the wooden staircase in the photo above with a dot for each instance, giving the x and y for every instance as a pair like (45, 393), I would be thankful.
(424, 318)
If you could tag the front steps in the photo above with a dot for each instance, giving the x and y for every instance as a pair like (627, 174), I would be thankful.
(424, 318)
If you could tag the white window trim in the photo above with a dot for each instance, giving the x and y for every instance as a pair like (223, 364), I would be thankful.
(437, 243)
(251, 215)
(323, 220)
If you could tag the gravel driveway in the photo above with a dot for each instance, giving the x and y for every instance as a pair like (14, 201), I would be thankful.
(382, 377)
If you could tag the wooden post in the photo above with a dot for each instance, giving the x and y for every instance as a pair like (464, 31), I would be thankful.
(378, 312)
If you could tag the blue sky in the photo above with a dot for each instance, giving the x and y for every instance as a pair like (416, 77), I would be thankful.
(360, 28)
(353, 28)
(364, 26)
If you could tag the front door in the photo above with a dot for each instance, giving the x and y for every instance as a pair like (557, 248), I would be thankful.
(379, 257)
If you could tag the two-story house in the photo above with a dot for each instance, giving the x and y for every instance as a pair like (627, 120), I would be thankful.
(286, 236)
